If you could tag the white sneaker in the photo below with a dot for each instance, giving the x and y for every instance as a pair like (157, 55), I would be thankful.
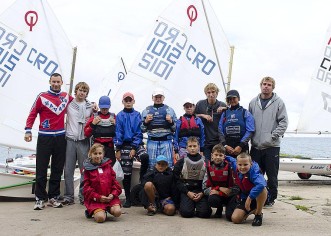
(39, 205)
(54, 203)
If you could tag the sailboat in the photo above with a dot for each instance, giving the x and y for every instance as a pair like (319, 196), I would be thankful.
(186, 50)
(33, 46)
(316, 116)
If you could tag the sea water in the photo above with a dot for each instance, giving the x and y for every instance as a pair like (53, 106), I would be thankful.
(312, 147)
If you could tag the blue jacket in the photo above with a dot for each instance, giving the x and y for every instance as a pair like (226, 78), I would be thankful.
(248, 130)
(182, 142)
(128, 122)
(255, 177)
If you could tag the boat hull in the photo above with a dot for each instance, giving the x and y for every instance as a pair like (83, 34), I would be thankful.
(309, 166)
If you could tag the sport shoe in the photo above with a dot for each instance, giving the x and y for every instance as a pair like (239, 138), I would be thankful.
(39, 205)
(269, 204)
(127, 204)
(54, 203)
(67, 202)
(257, 220)
(218, 213)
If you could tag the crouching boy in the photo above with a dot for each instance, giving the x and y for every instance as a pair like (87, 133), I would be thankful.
(159, 189)
(253, 192)
(189, 173)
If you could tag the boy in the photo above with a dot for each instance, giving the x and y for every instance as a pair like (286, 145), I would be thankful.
(186, 126)
(159, 182)
(252, 187)
(159, 121)
(102, 127)
(218, 183)
(189, 173)
(129, 143)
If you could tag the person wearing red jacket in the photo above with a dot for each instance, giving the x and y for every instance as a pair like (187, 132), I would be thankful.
(102, 127)
(101, 189)
(51, 107)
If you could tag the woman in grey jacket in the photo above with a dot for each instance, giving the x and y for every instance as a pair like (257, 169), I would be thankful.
(271, 122)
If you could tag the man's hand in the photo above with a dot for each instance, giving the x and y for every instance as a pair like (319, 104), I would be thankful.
(28, 137)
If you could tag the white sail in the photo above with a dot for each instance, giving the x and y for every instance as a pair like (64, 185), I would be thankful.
(179, 56)
(112, 81)
(33, 45)
(316, 114)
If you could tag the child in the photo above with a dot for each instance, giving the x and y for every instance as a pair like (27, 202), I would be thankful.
(102, 127)
(252, 186)
(218, 183)
(101, 189)
(189, 173)
(159, 182)
(129, 143)
(186, 126)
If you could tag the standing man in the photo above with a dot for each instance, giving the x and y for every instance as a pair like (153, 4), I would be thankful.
(159, 121)
(210, 110)
(51, 107)
(271, 122)
(79, 112)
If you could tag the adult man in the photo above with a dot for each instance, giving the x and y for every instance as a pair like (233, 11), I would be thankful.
(78, 113)
(271, 122)
(51, 107)
(159, 121)
(210, 110)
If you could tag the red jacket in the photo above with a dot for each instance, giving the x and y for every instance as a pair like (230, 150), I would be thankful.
(100, 180)
(88, 130)
(51, 108)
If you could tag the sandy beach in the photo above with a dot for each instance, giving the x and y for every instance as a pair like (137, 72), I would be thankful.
(308, 216)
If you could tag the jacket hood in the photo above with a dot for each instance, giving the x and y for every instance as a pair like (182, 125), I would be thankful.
(89, 166)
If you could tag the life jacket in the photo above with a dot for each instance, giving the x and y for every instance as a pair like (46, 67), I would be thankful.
(221, 177)
(188, 127)
(193, 170)
(159, 121)
(104, 129)
(234, 124)
(244, 184)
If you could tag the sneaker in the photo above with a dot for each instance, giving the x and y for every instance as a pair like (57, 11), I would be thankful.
(257, 220)
(54, 203)
(269, 204)
(67, 202)
(39, 205)
(218, 213)
(127, 204)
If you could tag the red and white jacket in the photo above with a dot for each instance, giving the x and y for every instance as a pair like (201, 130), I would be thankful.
(51, 108)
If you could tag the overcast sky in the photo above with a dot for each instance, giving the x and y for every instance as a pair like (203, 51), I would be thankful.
(282, 39)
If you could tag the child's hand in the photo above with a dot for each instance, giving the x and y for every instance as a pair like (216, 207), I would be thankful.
(248, 204)
(148, 118)
(168, 118)
(110, 197)
(118, 155)
(96, 120)
(112, 120)
(104, 199)
(191, 195)
(213, 191)
(226, 191)
(132, 153)
(237, 150)
(197, 197)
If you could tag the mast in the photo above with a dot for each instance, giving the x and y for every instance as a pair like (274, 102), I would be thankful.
(212, 39)
(73, 70)
(230, 69)
(124, 66)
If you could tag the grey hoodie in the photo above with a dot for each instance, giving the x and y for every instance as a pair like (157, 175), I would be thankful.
(270, 122)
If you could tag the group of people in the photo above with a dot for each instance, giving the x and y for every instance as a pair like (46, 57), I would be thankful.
(193, 163)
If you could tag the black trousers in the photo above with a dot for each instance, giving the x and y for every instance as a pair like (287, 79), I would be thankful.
(49, 148)
(218, 201)
(189, 208)
(268, 160)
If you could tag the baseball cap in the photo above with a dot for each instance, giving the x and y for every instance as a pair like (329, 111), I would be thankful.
(128, 95)
(104, 102)
(232, 94)
(158, 91)
(188, 100)
(161, 158)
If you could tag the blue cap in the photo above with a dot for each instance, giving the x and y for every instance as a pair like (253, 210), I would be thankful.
(104, 102)
(161, 158)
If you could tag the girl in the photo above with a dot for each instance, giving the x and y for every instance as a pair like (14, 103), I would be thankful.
(101, 189)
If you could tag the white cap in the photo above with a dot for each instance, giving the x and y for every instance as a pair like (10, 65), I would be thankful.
(158, 91)
(188, 100)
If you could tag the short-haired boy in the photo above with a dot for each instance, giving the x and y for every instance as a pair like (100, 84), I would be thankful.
(252, 187)
(218, 183)
(189, 173)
